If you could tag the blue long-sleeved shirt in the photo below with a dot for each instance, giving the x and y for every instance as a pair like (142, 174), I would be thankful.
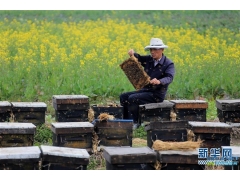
(164, 71)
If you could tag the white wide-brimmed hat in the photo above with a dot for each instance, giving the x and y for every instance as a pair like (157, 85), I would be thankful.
(156, 43)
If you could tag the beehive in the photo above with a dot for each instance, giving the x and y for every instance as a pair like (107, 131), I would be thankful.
(190, 110)
(29, 112)
(179, 160)
(213, 134)
(17, 134)
(155, 112)
(166, 131)
(116, 132)
(72, 134)
(129, 158)
(71, 108)
(228, 110)
(20, 158)
(64, 158)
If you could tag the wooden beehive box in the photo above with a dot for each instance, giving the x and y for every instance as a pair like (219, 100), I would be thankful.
(64, 158)
(228, 110)
(5, 111)
(179, 160)
(116, 111)
(155, 112)
(129, 158)
(17, 134)
(166, 131)
(235, 158)
(72, 134)
(235, 134)
(116, 132)
(190, 110)
(213, 134)
(71, 108)
(29, 112)
(20, 158)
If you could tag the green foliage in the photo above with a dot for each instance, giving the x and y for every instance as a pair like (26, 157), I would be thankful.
(43, 135)
(140, 133)
(211, 110)
(96, 162)
(198, 19)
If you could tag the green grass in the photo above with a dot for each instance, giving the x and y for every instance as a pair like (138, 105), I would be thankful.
(197, 19)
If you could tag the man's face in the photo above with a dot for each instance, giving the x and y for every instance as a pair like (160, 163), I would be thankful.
(156, 53)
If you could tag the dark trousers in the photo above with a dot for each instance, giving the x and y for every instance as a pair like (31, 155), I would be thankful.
(131, 101)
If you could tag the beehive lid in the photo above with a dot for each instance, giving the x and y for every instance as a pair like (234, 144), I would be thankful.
(189, 104)
(28, 152)
(72, 127)
(17, 128)
(165, 104)
(80, 156)
(210, 127)
(159, 125)
(234, 125)
(178, 156)
(228, 105)
(70, 99)
(126, 155)
(29, 106)
(5, 106)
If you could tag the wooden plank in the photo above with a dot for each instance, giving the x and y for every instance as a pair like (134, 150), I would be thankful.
(27, 164)
(189, 104)
(165, 104)
(214, 140)
(115, 136)
(126, 155)
(157, 125)
(36, 118)
(174, 135)
(72, 127)
(5, 106)
(63, 155)
(131, 166)
(210, 127)
(17, 128)
(191, 114)
(77, 140)
(234, 125)
(228, 105)
(4, 117)
(178, 156)
(118, 123)
(70, 99)
(71, 116)
(16, 140)
(77, 106)
(228, 116)
(31, 152)
(150, 115)
(28, 106)
(117, 112)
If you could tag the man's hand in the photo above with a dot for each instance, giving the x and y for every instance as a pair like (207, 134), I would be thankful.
(131, 52)
(155, 81)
